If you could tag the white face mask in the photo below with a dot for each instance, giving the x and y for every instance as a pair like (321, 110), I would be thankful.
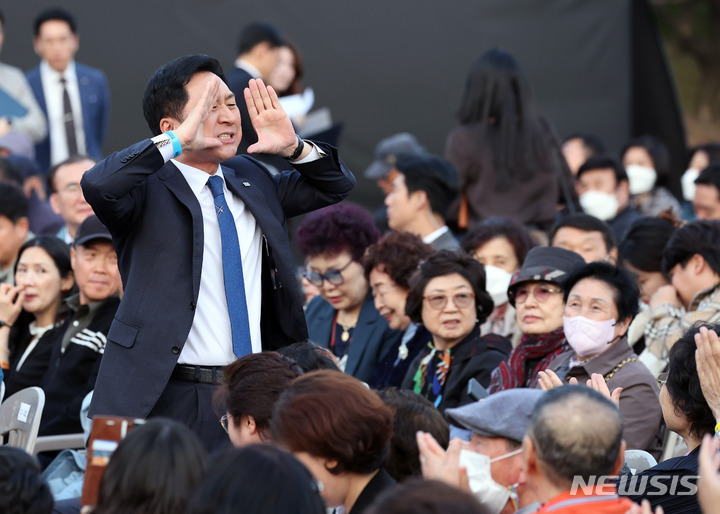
(497, 282)
(587, 336)
(642, 179)
(488, 492)
(603, 206)
(688, 183)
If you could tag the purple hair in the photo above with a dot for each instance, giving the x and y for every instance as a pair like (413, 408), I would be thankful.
(332, 230)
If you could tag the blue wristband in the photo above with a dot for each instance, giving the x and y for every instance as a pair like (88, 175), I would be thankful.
(177, 147)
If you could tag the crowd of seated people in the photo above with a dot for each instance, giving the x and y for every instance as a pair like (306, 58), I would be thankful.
(577, 299)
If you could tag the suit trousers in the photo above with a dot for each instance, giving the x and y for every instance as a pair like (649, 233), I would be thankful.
(192, 405)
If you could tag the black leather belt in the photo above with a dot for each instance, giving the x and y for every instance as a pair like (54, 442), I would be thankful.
(198, 374)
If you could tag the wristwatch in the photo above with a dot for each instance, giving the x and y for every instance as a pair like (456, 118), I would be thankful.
(4, 324)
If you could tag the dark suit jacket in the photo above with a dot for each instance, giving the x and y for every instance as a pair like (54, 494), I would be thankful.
(371, 339)
(95, 102)
(157, 227)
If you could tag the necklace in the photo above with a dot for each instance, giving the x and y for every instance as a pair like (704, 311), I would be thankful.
(347, 327)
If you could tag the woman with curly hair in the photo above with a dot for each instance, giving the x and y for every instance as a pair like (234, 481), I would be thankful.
(343, 318)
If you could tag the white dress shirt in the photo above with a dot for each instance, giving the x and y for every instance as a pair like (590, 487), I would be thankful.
(53, 91)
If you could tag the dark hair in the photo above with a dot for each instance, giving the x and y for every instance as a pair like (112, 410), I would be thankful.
(9, 173)
(592, 144)
(154, 470)
(625, 290)
(252, 385)
(256, 33)
(412, 413)
(2, 19)
(446, 262)
(398, 254)
(683, 383)
(256, 479)
(56, 248)
(497, 226)
(54, 169)
(54, 14)
(600, 162)
(700, 237)
(13, 202)
(643, 245)
(586, 223)
(332, 230)
(710, 176)
(658, 153)
(23, 490)
(711, 149)
(418, 496)
(334, 416)
(431, 174)
(309, 356)
(577, 432)
(165, 93)
(295, 87)
(497, 96)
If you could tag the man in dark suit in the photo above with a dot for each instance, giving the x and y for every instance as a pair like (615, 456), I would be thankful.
(175, 329)
(75, 98)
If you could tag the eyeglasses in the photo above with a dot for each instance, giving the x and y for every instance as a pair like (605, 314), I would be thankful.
(224, 423)
(71, 189)
(541, 293)
(460, 300)
(334, 276)
(661, 380)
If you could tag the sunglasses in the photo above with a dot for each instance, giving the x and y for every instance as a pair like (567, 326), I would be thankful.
(460, 300)
(334, 276)
(541, 292)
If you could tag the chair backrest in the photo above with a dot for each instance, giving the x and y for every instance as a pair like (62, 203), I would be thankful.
(20, 417)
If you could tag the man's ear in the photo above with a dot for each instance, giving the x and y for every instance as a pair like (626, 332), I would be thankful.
(419, 199)
(23, 225)
(529, 455)
(53, 200)
(613, 255)
(620, 459)
(169, 123)
(698, 264)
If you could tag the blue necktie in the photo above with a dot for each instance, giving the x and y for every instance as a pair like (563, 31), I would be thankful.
(232, 271)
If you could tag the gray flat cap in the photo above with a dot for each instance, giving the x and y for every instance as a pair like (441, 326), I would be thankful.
(503, 414)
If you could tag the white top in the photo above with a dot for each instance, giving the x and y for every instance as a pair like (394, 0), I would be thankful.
(209, 342)
(252, 70)
(53, 91)
(432, 236)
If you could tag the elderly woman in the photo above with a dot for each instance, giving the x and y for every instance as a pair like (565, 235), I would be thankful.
(344, 319)
(501, 245)
(251, 386)
(536, 293)
(389, 265)
(340, 430)
(448, 297)
(687, 413)
(600, 302)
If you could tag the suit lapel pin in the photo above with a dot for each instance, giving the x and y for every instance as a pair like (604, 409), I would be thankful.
(246, 184)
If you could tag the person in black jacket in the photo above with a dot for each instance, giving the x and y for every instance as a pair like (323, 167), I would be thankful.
(448, 297)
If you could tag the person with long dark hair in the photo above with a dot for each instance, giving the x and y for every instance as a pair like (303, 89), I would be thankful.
(508, 157)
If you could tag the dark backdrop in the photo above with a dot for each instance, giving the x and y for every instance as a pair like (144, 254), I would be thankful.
(389, 66)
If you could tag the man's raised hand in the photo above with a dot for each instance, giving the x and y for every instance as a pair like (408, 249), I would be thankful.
(190, 132)
(274, 129)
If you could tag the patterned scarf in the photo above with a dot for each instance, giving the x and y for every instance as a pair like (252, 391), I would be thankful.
(511, 372)
(429, 382)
